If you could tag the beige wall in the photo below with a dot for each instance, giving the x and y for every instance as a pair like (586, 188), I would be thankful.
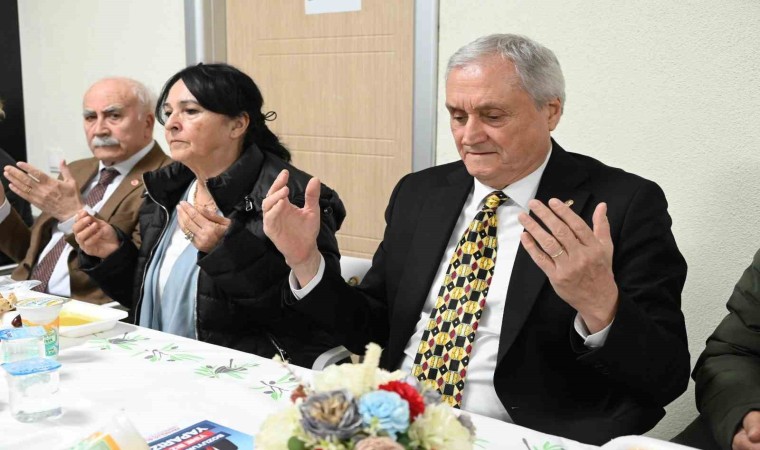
(67, 45)
(667, 90)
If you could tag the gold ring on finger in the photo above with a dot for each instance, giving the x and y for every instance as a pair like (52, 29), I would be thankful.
(561, 251)
(28, 188)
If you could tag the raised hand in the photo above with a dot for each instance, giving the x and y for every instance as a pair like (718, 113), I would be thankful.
(59, 198)
(202, 227)
(294, 230)
(577, 260)
(95, 237)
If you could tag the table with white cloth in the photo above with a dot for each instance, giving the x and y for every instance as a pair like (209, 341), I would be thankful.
(162, 381)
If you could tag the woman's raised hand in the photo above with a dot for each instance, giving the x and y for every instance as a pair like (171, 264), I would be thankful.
(96, 237)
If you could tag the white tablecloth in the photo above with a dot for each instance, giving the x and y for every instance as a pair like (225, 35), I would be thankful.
(163, 381)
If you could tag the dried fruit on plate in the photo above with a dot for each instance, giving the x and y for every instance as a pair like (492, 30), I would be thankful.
(7, 303)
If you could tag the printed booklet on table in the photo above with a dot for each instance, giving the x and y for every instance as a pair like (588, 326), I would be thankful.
(205, 435)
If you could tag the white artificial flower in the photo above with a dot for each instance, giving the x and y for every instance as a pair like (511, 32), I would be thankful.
(438, 428)
(358, 379)
(277, 429)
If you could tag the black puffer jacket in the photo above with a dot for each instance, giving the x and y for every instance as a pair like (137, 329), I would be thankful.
(239, 282)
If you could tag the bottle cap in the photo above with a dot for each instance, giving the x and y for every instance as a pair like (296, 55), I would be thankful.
(31, 366)
(12, 334)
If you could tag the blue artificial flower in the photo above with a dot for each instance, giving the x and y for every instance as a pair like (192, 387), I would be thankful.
(388, 408)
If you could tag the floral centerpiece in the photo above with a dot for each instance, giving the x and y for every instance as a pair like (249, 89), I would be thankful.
(362, 407)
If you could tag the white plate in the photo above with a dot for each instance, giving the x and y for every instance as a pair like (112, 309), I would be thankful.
(105, 318)
(9, 284)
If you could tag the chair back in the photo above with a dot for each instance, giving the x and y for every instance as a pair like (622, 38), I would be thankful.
(353, 269)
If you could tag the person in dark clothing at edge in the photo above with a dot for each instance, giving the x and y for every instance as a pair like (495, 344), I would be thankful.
(19, 204)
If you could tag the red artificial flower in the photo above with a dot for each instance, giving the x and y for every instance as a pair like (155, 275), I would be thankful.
(297, 393)
(408, 393)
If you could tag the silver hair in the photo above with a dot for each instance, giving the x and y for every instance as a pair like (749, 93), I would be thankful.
(536, 65)
(146, 100)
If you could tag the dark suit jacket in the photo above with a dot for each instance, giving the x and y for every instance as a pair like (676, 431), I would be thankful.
(545, 377)
(728, 371)
(24, 244)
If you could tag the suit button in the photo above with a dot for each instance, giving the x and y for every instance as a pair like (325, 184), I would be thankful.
(327, 210)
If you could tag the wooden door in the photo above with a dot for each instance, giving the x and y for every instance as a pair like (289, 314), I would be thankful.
(341, 84)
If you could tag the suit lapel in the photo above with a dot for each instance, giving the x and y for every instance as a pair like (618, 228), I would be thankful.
(433, 230)
(132, 181)
(560, 179)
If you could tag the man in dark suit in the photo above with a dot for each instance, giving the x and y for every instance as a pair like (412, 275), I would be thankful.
(118, 123)
(524, 282)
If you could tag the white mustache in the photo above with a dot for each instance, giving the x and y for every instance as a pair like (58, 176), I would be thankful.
(104, 142)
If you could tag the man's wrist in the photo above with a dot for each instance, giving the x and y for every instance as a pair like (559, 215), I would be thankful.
(599, 318)
(300, 292)
(306, 269)
(69, 214)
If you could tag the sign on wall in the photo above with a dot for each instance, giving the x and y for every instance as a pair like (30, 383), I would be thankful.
(332, 6)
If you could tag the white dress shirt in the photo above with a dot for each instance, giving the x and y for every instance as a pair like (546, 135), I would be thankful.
(479, 393)
(59, 283)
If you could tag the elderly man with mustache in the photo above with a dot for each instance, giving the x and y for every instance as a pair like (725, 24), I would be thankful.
(118, 124)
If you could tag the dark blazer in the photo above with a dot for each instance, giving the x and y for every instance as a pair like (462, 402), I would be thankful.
(545, 377)
(728, 371)
(24, 244)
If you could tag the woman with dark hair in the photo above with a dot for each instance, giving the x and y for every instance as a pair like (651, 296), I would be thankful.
(200, 265)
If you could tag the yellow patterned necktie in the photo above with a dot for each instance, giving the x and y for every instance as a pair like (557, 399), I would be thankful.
(446, 344)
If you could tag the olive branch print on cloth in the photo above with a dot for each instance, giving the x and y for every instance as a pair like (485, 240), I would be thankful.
(547, 446)
(123, 342)
(480, 443)
(169, 353)
(275, 389)
(231, 370)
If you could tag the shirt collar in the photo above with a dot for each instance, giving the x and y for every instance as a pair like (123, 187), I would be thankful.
(126, 166)
(521, 191)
